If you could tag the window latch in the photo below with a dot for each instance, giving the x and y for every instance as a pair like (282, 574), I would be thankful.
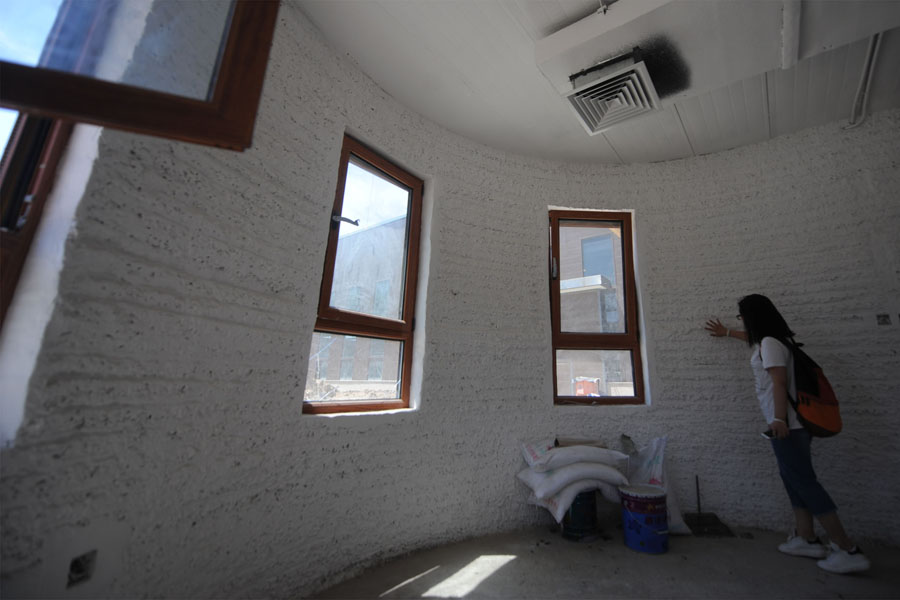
(23, 218)
(554, 268)
(339, 218)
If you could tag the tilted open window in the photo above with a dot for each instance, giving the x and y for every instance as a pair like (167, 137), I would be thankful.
(360, 358)
(596, 347)
(109, 62)
(85, 74)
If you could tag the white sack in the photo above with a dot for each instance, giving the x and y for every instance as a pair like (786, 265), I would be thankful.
(561, 457)
(559, 503)
(534, 451)
(548, 483)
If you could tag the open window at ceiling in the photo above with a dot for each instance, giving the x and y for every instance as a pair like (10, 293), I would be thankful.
(68, 82)
(190, 71)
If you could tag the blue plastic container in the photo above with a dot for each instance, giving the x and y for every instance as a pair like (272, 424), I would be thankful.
(644, 518)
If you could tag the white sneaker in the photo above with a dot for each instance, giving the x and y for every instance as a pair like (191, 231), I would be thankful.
(797, 546)
(843, 561)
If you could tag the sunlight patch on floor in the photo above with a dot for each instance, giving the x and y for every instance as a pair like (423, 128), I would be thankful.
(408, 581)
(469, 577)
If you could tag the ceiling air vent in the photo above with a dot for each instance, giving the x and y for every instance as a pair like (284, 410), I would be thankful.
(611, 92)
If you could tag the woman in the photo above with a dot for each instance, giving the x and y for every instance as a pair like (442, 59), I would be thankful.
(766, 332)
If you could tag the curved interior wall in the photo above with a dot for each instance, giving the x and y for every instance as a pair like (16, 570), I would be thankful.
(163, 423)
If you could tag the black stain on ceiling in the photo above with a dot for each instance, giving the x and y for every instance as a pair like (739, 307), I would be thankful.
(667, 69)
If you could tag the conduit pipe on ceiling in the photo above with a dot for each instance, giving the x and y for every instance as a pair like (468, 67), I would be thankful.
(865, 81)
(790, 33)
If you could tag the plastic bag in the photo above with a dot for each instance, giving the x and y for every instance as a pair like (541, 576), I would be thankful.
(648, 466)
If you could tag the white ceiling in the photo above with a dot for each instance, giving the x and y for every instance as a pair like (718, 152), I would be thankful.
(480, 68)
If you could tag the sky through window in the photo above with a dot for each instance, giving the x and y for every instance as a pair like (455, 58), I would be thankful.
(24, 25)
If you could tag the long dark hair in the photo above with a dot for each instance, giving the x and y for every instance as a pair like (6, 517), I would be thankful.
(762, 319)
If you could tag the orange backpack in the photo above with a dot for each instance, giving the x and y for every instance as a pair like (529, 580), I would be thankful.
(816, 404)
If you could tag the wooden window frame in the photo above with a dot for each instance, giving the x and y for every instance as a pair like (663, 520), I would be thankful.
(27, 173)
(630, 340)
(336, 321)
(225, 120)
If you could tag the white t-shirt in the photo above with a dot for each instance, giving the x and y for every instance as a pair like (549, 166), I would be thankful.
(772, 353)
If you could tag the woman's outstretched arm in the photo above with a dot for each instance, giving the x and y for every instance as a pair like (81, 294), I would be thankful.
(716, 329)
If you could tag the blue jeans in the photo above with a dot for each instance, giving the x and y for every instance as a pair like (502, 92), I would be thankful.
(796, 470)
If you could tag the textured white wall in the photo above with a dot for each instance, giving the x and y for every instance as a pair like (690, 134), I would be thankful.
(163, 425)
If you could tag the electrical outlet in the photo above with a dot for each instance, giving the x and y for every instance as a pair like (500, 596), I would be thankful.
(81, 568)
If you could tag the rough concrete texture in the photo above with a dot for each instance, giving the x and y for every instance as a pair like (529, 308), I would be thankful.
(163, 425)
(539, 563)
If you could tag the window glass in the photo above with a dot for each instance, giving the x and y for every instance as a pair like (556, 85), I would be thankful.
(24, 25)
(367, 300)
(348, 356)
(7, 122)
(321, 352)
(382, 299)
(379, 360)
(597, 257)
(371, 255)
(376, 359)
(594, 373)
(594, 314)
(591, 267)
(92, 37)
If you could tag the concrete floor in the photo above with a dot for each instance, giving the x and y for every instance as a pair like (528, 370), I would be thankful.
(540, 563)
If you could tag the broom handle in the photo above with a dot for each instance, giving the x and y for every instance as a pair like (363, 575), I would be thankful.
(697, 484)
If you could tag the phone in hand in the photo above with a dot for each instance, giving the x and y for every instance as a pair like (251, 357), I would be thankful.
(768, 434)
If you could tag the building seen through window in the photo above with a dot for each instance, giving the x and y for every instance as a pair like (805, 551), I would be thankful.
(596, 346)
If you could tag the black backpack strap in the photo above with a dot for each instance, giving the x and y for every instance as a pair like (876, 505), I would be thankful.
(792, 346)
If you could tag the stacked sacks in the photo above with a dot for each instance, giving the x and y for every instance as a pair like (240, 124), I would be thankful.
(557, 475)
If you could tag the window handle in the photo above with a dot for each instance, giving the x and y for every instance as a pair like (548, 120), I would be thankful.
(339, 218)
(23, 218)
(554, 268)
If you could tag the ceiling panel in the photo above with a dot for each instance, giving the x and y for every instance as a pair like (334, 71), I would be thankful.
(728, 117)
(829, 24)
(655, 137)
(689, 47)
(472, 67)
(817, 90)
(540, 18)
(885, 90)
